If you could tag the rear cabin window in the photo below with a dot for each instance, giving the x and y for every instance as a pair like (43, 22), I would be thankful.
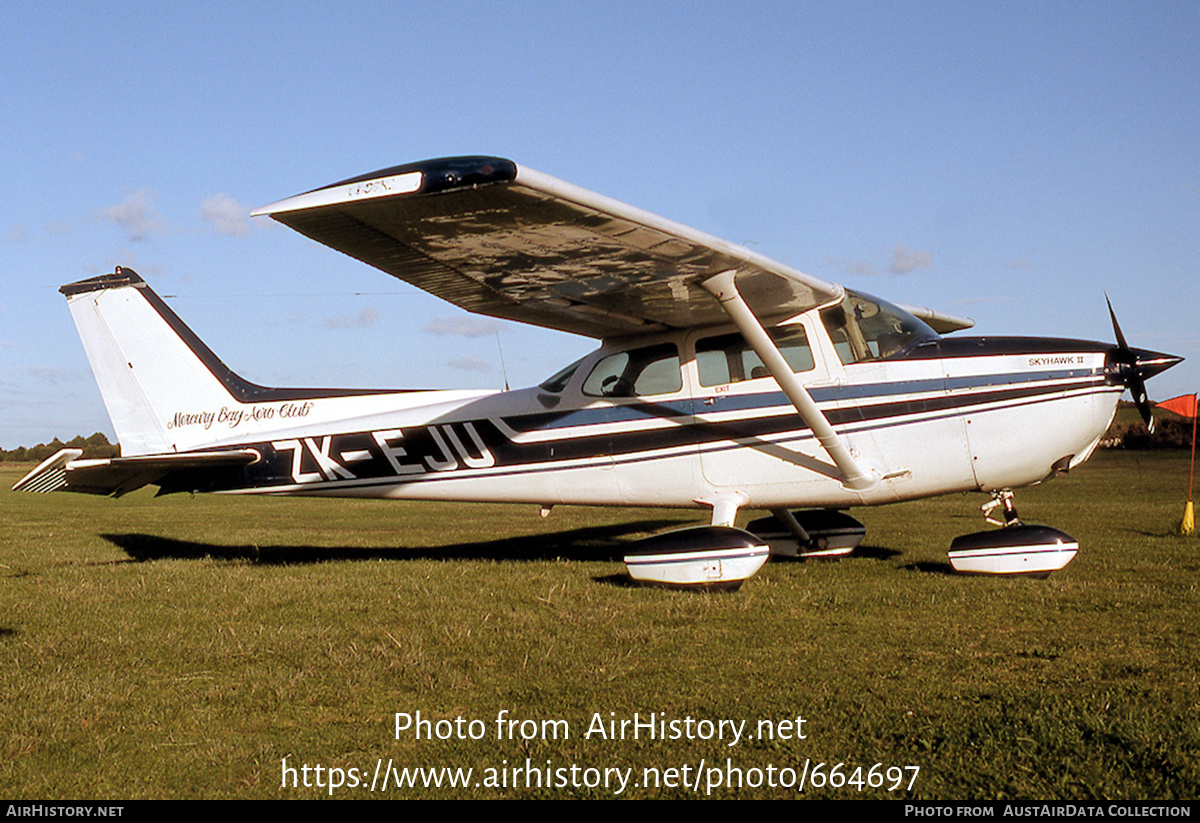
(636, 373)
(729, 358)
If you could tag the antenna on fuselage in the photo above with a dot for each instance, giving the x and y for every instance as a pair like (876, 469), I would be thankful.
(503, 370)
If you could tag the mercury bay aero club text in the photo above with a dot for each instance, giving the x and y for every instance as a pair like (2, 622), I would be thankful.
(725, 380)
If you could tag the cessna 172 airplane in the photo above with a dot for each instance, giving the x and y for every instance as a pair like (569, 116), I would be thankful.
(724, 380)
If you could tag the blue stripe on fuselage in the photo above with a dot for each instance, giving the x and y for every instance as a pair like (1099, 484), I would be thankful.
(642, 410)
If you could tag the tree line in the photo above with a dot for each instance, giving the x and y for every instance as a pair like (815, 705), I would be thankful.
(1127, 431)
(96, 446)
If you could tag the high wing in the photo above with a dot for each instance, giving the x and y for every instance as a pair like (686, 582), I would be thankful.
(939, 321)
(507, 241)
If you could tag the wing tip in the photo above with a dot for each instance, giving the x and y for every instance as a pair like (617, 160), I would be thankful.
(424, 177)
(940, 322)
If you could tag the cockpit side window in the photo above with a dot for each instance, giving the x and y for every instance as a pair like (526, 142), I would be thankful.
(865, 328)
(728, 358)
(636, 373)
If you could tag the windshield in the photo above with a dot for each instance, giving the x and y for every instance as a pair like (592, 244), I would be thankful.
(866, 328)
(561, 378)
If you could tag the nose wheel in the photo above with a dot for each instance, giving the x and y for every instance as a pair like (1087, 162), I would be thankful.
(1007, 503)
(1016, 548)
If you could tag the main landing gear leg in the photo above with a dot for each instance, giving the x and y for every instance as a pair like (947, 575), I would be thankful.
(1016, 548)
(820, 533)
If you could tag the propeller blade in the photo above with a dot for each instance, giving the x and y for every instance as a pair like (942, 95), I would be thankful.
(1116, 326)
(1137, 387)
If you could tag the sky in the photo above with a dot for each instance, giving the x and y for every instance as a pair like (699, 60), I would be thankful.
(1011, 162)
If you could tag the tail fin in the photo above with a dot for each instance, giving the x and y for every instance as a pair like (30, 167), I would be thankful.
(151, 368)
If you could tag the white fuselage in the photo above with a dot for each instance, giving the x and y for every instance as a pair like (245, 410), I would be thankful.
(926, 425)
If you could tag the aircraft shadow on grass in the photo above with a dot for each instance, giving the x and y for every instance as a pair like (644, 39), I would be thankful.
(876, 552)
(595, 543)
(931, 568)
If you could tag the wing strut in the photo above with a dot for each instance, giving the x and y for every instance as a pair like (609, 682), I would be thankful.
(854, 476)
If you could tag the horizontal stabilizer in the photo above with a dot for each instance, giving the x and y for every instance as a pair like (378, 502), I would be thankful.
(116, 476)
(50, 475)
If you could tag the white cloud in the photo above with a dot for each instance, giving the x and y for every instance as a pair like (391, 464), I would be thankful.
(905, 260)
(360, 321)
(58, 227)
(471, 363)
(49, 374)
(137, 216)
(226, 215)
(462, 326)
(849, 266)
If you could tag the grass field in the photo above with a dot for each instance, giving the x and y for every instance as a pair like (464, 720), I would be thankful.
(182, 647)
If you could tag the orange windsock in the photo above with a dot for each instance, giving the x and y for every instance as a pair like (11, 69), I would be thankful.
(1184, 405)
